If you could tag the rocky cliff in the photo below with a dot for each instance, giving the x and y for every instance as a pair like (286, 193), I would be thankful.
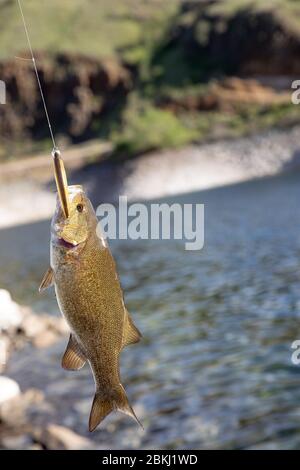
(78, 90)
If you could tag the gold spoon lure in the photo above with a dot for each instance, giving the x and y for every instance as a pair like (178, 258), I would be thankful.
(61, 181)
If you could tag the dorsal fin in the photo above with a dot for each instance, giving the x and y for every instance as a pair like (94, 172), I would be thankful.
(131, 334)
(74, 358)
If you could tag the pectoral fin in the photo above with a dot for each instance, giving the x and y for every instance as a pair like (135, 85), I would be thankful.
(48, 280)
(74, 358)
(131, 334)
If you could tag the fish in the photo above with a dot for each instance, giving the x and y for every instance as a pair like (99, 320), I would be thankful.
(89, 295)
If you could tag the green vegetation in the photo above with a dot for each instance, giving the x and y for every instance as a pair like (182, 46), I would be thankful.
(147, 128)
(97, 28)
(168, 77)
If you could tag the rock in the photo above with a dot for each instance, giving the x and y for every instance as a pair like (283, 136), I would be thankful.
(55, 437)
(82, 89)
(20, 442)
(19, 325)
(214, 39)
(35, 447)
(45, 339)
(47, 330)
(13, 411)
(235, 91)
(8, 389)
(33, 325)
(42, 330)
(10, 313)
(5, 347)
(58, 325)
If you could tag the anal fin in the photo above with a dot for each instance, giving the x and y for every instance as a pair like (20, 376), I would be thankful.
(73, 358)
(131, 334)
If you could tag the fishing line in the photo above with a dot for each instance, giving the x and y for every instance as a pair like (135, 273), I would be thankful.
(55, 149)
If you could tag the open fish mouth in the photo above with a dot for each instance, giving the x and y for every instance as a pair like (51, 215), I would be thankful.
(62, 242)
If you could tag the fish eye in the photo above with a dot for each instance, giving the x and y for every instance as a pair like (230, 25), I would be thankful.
(79, 207)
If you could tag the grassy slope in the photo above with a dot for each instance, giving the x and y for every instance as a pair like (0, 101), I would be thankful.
(131, 27)
(93, 27)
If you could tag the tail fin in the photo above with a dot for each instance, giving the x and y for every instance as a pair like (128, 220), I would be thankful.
(101, 407)
(123, 405)
(104, 404)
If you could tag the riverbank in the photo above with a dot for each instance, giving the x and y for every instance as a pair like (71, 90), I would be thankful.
(153, 175)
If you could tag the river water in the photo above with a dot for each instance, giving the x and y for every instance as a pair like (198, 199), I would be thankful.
(214, 368)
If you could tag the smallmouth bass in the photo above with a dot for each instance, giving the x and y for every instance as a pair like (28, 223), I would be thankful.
(90, 298)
